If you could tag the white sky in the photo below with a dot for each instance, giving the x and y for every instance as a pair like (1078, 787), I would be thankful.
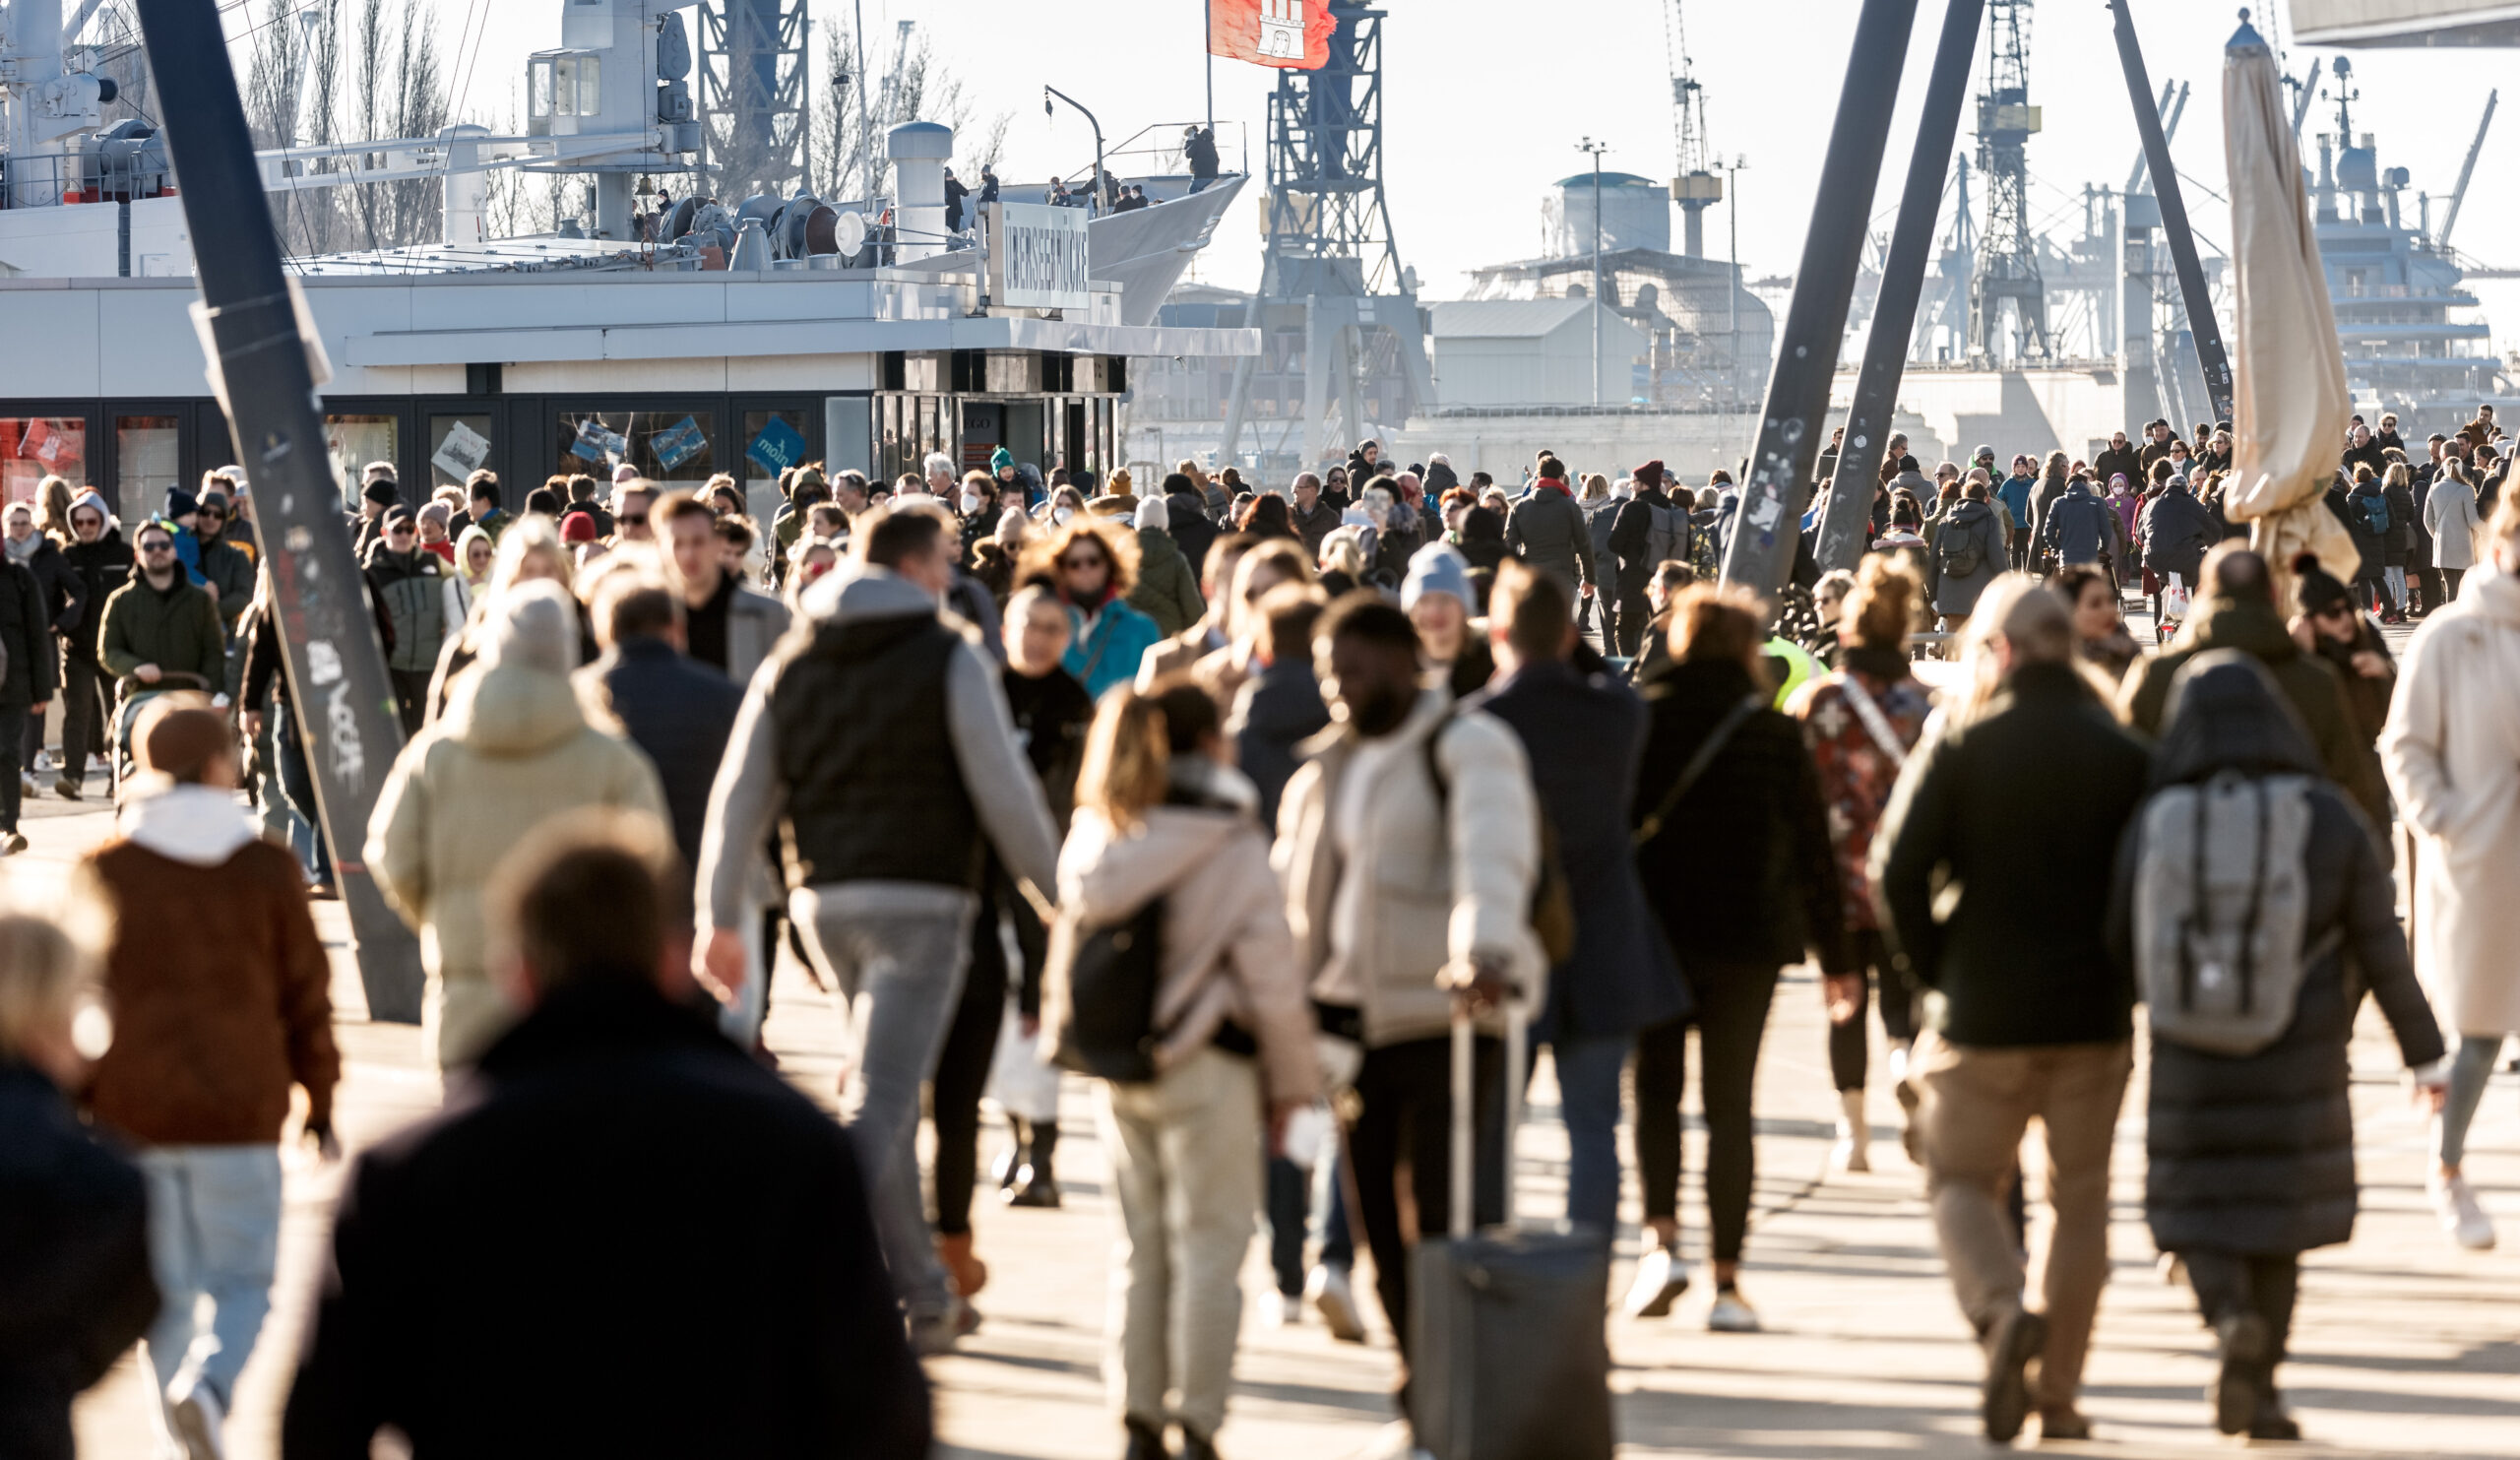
(1486, 100)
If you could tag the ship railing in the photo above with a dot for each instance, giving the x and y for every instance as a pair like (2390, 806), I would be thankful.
(1155, 151)
(48, 182)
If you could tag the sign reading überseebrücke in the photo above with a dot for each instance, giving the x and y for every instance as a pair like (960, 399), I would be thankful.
(1038, 257)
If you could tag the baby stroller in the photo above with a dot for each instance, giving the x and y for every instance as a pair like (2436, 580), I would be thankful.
(127, 715)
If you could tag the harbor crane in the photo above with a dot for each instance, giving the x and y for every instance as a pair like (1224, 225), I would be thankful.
(1695, 186)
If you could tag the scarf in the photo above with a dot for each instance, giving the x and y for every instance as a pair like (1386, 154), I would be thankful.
(24, 553)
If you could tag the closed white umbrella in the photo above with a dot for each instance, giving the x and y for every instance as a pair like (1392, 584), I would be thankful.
(2290, 394)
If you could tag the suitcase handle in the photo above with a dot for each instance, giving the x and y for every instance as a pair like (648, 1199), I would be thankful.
(1465, 1144)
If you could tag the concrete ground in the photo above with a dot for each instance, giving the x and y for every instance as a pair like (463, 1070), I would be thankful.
(2405, 1346)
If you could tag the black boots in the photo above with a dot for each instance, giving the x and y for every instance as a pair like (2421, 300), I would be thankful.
(1023, 1173)
(1146, 1440)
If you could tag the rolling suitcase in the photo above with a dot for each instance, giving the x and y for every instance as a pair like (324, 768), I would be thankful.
(1510, 1359)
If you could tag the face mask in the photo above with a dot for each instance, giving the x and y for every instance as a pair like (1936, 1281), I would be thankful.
(970, 504)
(1061, 515)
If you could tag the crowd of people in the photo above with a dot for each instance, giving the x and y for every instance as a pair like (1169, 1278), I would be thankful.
(1234, 802)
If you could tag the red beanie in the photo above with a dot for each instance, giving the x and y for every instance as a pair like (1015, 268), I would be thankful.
(1649, 474)
(578, 527)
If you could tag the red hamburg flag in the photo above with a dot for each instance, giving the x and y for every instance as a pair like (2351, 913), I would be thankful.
(1285, 34)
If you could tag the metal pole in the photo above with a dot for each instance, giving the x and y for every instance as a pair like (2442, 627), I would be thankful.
(1596, 148)
(1903, 278)
(1210, 21)
(2210, 357)
(336, 668)
(1096, 195)
(1766, 529)
(1733, 293)
(866, 127)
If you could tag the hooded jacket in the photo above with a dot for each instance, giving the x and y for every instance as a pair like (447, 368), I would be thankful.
(512, 751)
(102, 566)
(2178, 531)
(1228, 955)
(2370, 544)
(2452, 749)
(219, 988)
(2255, 1154)
(2309, 682)
(1955, 594)
(228, 571)
(1275, 711)
(26, 639)
(2081, 527)
(410, 587)
(1436, 877)
(1167, 586)
(64, 591)
(175, 628)
(1548, 531)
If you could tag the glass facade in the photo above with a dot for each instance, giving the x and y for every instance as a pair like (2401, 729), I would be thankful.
(148, 459)
(353, 441)
(33, 447)
(676, 448)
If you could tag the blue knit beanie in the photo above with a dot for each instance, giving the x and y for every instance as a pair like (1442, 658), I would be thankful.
(1438, 567)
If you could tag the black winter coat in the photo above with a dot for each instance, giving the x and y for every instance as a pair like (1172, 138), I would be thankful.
(1585, 734)
(75, 1284)
(1743, 872)
(2022, 808)
(2256, 1155)
(1191, 527)
(492, 1268)
(680, 712)
(26, 639)
(65, 591)
(2370, 544)
(1276, 710)
(2178, 531)
(102, 566)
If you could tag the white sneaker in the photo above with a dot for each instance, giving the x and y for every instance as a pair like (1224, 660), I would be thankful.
(199, 1420)
(1288, 1312)
(1660, 1279)
(44, 763)
(2461, 1217)
(1853, 1149)
(1731, 1315)
(1331, 1296)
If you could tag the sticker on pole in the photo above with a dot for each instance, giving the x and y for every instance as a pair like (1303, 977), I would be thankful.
(462, 451)
(678, 443)
(777, 447)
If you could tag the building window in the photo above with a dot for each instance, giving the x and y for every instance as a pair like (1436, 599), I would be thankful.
(774, 440)
(459, 446)
(352, 442)
(32, 448)
(148, 459)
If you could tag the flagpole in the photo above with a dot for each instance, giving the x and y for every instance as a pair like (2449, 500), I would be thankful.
(1211, 59)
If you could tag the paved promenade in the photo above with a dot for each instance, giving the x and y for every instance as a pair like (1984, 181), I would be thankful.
(2405, 1346)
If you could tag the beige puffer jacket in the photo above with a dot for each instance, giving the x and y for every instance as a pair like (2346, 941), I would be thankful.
(1438, 894)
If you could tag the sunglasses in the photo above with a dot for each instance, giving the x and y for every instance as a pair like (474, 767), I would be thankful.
(156, 546)
(403, 531)
(1073, 563)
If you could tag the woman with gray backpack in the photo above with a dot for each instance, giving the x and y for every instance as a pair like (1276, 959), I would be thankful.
(2245, 887)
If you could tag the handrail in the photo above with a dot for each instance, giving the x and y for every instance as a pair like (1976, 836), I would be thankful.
(1165, 154)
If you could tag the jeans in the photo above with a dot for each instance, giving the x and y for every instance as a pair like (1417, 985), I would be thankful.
(1976, 1103)
(213, 1234)
(2468, 1075)
(1185, 1161)
(1850, 1043)
(1732, 1018)
(895, 951)
(1402, 1117)
(13, 728)
(2395, 579)
(297, 784)
(1587, 1096)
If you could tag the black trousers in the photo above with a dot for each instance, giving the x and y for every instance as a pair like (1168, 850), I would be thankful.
(962, 1073)
(1403, 1119)
(2372, 591)
(86, 708)
(13, 728)
(411, 698)
(1634, 614)
(1850, 1043)
(2427, 583)
(2451, 582)
(2229, 1284)
(1730, 1020)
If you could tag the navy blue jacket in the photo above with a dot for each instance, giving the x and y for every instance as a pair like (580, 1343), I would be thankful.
(1585, 734)
(1277, 710)
(680, 712)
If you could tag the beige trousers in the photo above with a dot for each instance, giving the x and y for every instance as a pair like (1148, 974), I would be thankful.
(1976, 1103)
(1187, 1159)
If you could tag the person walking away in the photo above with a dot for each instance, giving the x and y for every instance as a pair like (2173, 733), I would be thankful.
(1583, 733)
(2035, 1018)
(1049, 712)
(1650, 530)
(1600, 504)
(219, 986)
(728, 626)
(2249, 1131)
(2450, 516)
(2239, 613)
(2081, 529)
(1164, 821)
(75, 1283)
(2178, 530)
(513, 750)
(269, 723)
(882, 839)
(2397, 548)
(1861, 724)
(1967, 554)
(103, 562)
(679, 711)
(1185, 515)
(409, 586)
(1718, 756)
(1409, 845)
(2043, 496)
(2452, 755)
(593, 1140)
(29, 674)
(1093, 564)
(1548, 530)
(2419, 564)
(2368, 518)
(1167, 591)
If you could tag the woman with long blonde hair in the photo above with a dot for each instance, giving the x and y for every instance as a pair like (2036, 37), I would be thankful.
(1164, 833)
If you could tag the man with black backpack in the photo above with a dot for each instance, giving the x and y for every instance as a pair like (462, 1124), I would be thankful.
(1969, 550)
(1652, 529)
(1409, 847)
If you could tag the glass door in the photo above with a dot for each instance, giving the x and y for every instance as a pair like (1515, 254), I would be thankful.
(150, 445)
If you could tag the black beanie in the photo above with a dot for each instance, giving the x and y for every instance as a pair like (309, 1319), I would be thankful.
(2314, 589)
(383, 491)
